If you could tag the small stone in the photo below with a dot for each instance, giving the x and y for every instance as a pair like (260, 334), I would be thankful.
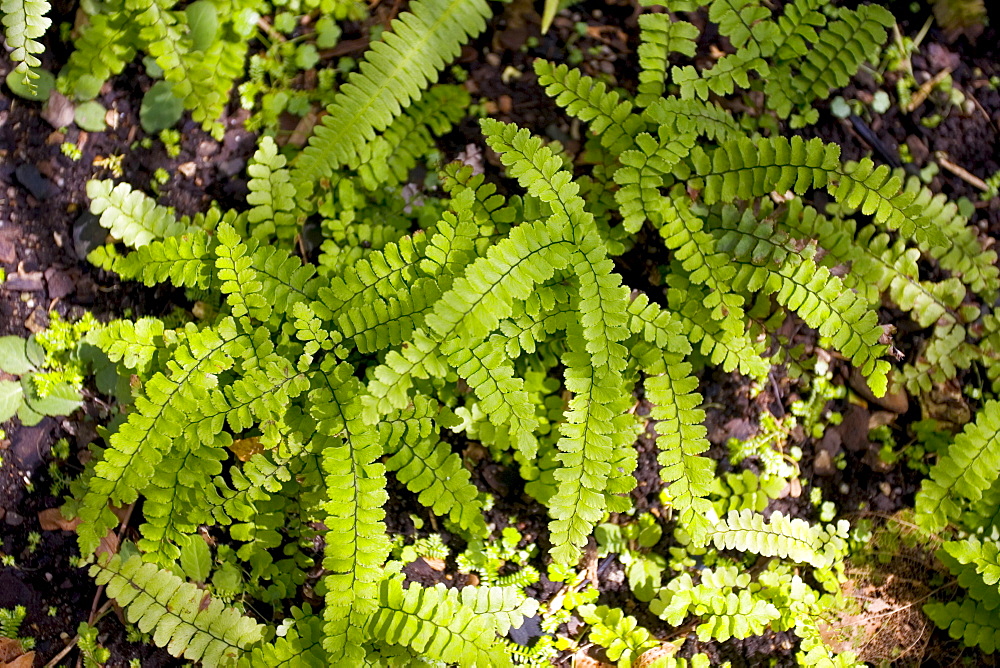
(885, 488)
(13, 518)
(505, 103)
(58, 112)
(231, 167)
(187, 169)
(87, 234)
(60, 285)
(39, 186)
(37, 320)
(25, 282)
(823, 464)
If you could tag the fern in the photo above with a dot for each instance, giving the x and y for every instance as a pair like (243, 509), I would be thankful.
(793, 539)
(273, 197)
(969, 621)
(391, 77)
(182, 618)
(965, 471)
(729, 609)
(25, 21)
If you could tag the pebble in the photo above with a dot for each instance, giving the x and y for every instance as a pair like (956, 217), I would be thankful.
(13, 518)
(87, 234)
(39, 186)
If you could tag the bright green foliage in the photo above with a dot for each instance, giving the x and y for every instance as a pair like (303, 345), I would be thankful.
(618, 633)
(308, 384)
(182, 618)
(199, 57)
(24, 22)
(779, 536)
(274, 214)
(966, 470)
(392, 76)
(968, 620)
(131, 215)
(722, 599)
(448, 625)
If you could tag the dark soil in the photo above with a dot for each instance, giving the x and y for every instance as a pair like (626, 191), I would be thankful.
(42, 198)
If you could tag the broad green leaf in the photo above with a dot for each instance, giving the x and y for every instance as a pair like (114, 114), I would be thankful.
(89, 116)
(11, 398)
(36, 88)
(62, 399)
(203, 21)
(196, 559)
(160, 108)
(14, 355)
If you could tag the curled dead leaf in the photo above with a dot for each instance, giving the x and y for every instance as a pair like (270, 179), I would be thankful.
(23, 661)
(51, 519)
(583, 660)
(10, 649)
(245, 448)
(654, 654)
(434, 563)
(108, 544)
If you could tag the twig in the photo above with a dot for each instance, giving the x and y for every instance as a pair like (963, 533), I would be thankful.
(72, 643)
(960, 172)
(925, 90)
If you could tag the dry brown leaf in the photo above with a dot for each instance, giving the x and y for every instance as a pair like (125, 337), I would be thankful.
(51, 519)
(108, 544)
(583, 660)
(436, 564)
(245, 448)
(653, 654)
(23, 661)
(10, 649)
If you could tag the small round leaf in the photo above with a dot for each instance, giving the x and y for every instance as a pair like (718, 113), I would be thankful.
(87, 87)
(203, 21)
(89, 116)
(160, 108)
(35, 86)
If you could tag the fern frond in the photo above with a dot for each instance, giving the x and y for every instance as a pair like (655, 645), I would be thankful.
(392, 75)
(830, 62)
(730, 72)
(132, 343)
(681, 439)
(589, 100)
(430, 469)
(25, 21)
(132, 216)
(721, 599)
(659, 37)
(966, 470)
(797, 28)
(743, 169)
(387, 160)
(473, 307)
(185, 260)
(274, 212)
(704, 118)
(968, 620)
(140, 443)
(439, 624)
(839, 314)
(780, 536)
(355, 482)
(595, 431)
(183, 618)
(105, 46)
(711, 337)
(983, 555)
